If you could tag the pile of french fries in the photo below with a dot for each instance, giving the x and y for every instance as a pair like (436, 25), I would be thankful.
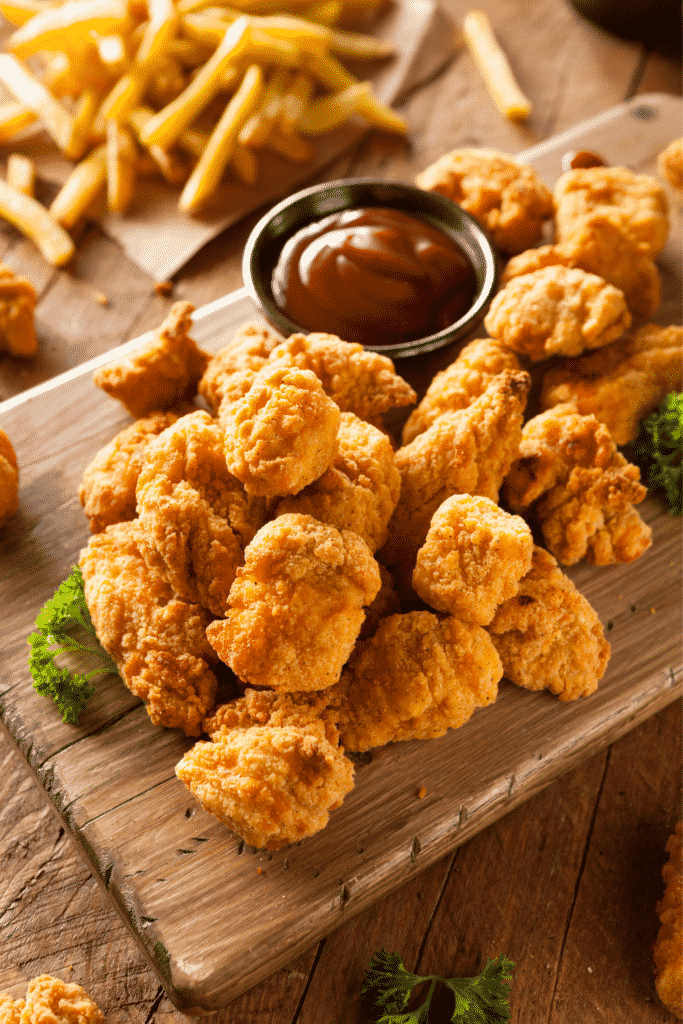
(187, 89)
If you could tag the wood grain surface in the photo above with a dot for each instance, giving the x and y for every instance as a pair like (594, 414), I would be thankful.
(564, 883)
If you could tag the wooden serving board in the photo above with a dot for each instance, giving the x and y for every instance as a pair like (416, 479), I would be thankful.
(191, 893)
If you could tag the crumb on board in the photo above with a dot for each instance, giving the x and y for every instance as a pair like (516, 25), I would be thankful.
(163, 288)
(422, 793)
(101, 299)
(259, 871)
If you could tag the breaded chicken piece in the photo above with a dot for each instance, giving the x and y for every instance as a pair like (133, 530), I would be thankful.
(107, 490)
(17, 314)
(465, 452)
(282, 435)
(247, 350)
(162, 373)
(668, 947)
(507, 199)
(10, 1009)
(635, 202)
(274, 770)
(548, 636)
(195, 516)
(670, 163)
(557, 311)
(360, 490)
(473, 558)
(621, 383)
(157, 640)
(579, 488)
(599, 246)
(364, 383)
(460, 383)
(53, 1001)
(9, 479)
(416, 678)
(296, 607)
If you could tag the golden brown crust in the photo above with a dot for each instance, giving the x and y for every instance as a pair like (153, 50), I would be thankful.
(360, 489)
(509, 200)
(668, 947)
(557, 311)
(248, 349)
(10, 1009)
(53, 1001)
(162, 373)
(670, 163)
(17, 320)
(548, 636)
(416, 678)
(621, 383)
(296, 607)
(9, 479)
(157, 640)
(473, 558)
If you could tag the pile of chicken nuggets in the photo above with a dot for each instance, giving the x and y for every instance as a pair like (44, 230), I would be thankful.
(360, 594)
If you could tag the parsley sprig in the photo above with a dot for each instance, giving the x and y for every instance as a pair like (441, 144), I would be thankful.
(479, 1000)
(54, 636)
(661, 441)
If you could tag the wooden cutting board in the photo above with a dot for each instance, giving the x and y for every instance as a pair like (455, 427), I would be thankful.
(191, 893)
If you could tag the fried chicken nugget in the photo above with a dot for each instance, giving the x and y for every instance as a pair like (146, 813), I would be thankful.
(621, 383)
(670, 163)
(465, 452)
(157, 640)
(9, 479)
(465, 379)
(548, 636)
(195, 516)
(296, 607)
(53, 1001)
(282, 435)
(507, 199)
(107, 490)
(579, 488)
(364, 383)
(17, 314)
(360, 489)
(162, 373)
(557, 311)
(599, 246)
(473, 558)
(416, 678)
(10, 1009)
(636, 203)
(274, 770)
(248, 349)
(668, 948)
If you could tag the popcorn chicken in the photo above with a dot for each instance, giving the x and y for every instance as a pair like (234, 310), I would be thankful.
(360, 489)
(10, 1009)
(247, 350)
(282, 435)
(473, 558)
(548, 636)
(157, 640)
(670, 163)
(53, 1001)
(162, 373)
(17, 323)
(636, 203)
(557, 311)
(9, 479)
(274, 770)
(459, 384)
(195, 516)
(296, 607)
(621, 383)
(579, 488)
(416, 678)
(507, 199)
(668, 948)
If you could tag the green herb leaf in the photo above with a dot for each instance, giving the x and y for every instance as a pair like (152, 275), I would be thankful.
(661, 442)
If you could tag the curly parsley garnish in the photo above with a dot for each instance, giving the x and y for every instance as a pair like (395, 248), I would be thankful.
(661, 441)
(54, 636)
(479, 1000)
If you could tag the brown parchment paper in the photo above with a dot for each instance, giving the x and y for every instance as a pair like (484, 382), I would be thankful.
(160, 239)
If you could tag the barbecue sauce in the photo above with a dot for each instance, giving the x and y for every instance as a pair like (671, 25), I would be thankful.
(377, 276)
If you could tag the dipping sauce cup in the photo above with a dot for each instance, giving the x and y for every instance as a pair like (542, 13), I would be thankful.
(379, 262)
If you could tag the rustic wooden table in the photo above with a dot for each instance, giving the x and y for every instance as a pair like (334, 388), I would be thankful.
(567, 883)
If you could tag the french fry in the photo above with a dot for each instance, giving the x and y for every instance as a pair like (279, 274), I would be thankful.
(327, 13)
(257, 129)
(112, 52)
(26, 214)
(14, 117)
(291, 145)
(206, 176)
(26, 88)
(18, 12)
(125, 95)
(121, 167)
(174, 170)
(85, 112)
(294, 101)
(356, 46)
(161, 27)
(494, 66)
(21, 173)
(329, 72)
(244, 163)
(49, 29)
(81, 188)
(330, 111)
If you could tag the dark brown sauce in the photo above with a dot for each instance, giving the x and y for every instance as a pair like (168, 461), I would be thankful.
(377, 276)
